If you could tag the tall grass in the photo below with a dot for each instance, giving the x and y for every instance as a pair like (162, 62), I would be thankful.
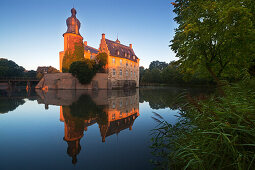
(215, 133)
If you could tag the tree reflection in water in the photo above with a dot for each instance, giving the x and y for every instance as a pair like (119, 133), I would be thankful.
(12, 99)
(113, 111)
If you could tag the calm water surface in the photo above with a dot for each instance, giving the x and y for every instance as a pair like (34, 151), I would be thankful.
(83, 129)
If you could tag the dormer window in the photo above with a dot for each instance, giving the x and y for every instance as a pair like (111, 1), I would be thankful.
(125, 54)
(133, 57)
(117, 52)
(128, 55)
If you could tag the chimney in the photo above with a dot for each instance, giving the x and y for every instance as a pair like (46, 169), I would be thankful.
(130, 45)
(103, 36)
(85, 43)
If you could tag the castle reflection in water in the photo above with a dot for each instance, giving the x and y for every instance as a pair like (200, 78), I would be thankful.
(113, 111)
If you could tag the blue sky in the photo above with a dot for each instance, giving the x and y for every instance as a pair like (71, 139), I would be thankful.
(31, 30)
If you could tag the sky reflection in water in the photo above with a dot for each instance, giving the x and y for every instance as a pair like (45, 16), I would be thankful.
(82, 129)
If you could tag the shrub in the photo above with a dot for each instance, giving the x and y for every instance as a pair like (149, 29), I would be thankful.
(83, 70)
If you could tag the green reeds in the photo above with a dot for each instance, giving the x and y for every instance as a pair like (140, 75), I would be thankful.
(214, 133)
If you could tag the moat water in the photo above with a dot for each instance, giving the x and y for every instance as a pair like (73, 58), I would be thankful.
(69, 129)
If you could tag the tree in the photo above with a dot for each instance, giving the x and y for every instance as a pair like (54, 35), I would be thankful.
(9, 68)
(83, 70)
(72, 56)
(157, 64)
(215, 37)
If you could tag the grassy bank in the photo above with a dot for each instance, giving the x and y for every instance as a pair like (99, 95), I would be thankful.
(214, 133)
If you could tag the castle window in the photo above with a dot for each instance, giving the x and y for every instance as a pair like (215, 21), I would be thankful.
(113, 72)
(120, 61)
(113, 60)
(120, 72)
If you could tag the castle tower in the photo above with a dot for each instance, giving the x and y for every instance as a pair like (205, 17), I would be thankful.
(71, 36)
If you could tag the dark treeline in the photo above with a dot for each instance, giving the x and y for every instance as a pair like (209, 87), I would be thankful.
(164, 73)
(9, 68)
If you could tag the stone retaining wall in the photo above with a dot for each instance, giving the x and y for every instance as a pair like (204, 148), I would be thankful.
(66, 81)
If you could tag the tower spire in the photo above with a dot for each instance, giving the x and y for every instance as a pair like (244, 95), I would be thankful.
(117, 41)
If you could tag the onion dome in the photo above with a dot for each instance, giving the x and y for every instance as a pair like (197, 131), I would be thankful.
(73, 24)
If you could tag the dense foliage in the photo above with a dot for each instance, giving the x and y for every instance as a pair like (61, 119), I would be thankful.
(216, 133)
(85, 70)
(216, 38)
(72, 56)
(170, 74)
(9, 68)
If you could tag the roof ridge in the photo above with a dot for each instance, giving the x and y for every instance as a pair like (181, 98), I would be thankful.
(118, 43)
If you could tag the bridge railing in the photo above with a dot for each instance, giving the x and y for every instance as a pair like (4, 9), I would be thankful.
(18, 79)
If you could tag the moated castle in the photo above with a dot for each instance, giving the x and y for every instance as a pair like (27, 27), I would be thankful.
(123, 65)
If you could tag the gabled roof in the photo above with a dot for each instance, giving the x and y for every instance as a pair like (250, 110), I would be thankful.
(120, 50)
(91, 49)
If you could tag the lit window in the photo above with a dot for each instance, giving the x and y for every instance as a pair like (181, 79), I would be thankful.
(120, 72)
(120, 61)
(113, 60)
(113, 72)
(126, 73)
